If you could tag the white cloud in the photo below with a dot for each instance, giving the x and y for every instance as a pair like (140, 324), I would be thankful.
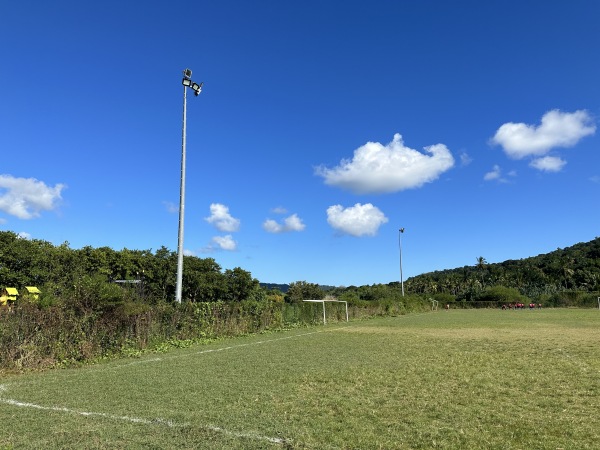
(358, 220)
(548, 164)
(24, 235)
(225, 242)
(377, 168)
(279, 210)
(557, 129)
(496, 174)
(25, 198)
(493, 175)
(291, 223)
(220, 218)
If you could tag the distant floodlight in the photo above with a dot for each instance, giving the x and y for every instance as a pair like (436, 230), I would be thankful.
(186, 82)
(187, 73)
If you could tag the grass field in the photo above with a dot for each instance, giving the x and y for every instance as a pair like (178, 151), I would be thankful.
(459, 379)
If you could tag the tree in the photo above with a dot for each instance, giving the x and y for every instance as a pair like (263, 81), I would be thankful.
(240, 284)
(481, 264)
(301, 290)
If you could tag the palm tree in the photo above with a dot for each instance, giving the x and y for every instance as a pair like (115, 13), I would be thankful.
(481, 263)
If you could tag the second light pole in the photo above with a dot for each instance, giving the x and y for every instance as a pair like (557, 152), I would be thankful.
(187, 83)
(400, 232)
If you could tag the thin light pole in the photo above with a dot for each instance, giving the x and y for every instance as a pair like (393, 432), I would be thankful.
(187, 82)
(400, 232)
(181, 204)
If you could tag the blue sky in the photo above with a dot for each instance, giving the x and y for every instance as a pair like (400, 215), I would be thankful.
(323, 127)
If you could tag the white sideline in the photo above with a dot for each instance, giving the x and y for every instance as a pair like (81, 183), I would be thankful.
(231, 347)
(164, 422)
(157, 421)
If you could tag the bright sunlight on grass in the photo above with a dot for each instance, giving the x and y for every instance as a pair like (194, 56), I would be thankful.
(451, 379)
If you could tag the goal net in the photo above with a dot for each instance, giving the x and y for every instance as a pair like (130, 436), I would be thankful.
(324, 309)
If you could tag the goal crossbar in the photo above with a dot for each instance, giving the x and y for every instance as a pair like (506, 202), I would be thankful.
(330, 301)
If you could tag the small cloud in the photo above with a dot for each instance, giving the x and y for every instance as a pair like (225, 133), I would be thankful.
(188, 252)
(170, 207)
(465, 159)
(221, 219)
(358, 220)
(279, 210)
(24, 235)
(219, 243)
(291, 223)
(25, 198)
(557, 129)
(377, 168)
(595, 179)
(496, 174)
(225, 242)
(493, 175)
(548, 164)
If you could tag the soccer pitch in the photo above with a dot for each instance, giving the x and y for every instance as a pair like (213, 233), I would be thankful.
(454, 379)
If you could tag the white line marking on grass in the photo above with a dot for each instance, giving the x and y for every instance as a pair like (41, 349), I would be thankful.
(137, 420)
(231, 347)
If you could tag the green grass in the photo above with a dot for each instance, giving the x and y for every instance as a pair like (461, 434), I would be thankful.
(455, 380)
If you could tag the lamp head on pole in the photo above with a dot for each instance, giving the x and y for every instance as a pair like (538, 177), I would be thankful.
(401, 230)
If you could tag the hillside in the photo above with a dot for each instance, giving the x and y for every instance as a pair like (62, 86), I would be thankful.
(572, 268)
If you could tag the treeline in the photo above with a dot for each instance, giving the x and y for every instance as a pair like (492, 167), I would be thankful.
(58, 270)
(569, 276)
(98, 302)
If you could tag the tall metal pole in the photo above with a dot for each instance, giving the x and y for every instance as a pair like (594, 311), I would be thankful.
(400, 232)
(181, 206)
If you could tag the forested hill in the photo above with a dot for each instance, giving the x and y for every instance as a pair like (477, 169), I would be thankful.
(572, 268)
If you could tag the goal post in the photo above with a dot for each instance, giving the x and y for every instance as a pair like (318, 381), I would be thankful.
(330, 301)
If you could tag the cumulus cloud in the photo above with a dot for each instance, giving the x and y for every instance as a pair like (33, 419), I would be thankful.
(221, 219)
(548, 164)
(224, 242)
(377, 168)
(557, 129)
(357, 220)
(25, 198)
(291, 223)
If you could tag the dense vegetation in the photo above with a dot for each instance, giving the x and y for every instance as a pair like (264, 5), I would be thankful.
(98, 301)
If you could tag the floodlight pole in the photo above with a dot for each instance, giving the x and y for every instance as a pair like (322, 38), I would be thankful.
(400, 232)
(187, 82)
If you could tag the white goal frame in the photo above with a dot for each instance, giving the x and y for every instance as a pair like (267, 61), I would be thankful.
(332, 301)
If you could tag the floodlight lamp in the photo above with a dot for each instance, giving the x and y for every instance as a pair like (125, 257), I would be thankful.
(187, 73)
(186, 82)
(195, 86)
